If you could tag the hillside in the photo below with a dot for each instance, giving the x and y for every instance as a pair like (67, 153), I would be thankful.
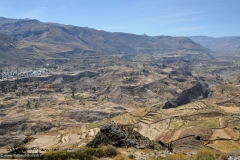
(7, 42)
(8, 50)
(57, 120)
(218, 44)
(65, 87)
(92, 40)
(212, 122)
(23, 54)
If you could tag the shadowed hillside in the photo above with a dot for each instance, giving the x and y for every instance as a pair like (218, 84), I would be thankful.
(7, 42)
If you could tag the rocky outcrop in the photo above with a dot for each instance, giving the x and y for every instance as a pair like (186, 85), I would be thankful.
(122, 136)
(180, 76)
(14, 131)
(91, 116)
(198, 91)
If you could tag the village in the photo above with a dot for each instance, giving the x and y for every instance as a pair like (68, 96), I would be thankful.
(15, 74)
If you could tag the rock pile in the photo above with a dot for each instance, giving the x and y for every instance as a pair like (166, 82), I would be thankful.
(122, 136)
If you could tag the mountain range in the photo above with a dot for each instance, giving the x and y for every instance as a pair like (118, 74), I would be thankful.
(61, 85)
(88, 40)
(218, 44)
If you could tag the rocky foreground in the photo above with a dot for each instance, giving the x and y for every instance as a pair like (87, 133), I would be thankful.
(122, 136)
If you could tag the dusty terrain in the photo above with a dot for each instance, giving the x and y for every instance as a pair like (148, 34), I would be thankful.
(57, 94)
(68, 109)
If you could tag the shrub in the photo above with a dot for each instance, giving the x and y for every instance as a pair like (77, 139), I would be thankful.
(131, 156)
(221, 156)
(204, 154)
(161, 158)
(177, 156)
(66, 155)
(111, 151)
(94, 152)
(84, 154)
(121, 157)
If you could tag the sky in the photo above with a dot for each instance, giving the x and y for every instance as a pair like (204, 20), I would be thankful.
(215, 18)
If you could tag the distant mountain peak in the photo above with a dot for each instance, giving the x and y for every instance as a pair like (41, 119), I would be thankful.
(218, 44)
(94, 40)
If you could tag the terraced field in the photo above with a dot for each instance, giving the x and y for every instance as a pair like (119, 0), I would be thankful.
(196, 124)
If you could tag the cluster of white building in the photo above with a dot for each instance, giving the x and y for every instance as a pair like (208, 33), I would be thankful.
(20, 74)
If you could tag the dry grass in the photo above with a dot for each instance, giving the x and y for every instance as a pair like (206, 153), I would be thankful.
(121, 157)
(225, 146)
(177, 156)
(125, 119)
(208, 123)
(97, 124)
(140, 112)
(230, 109)
(204, 154)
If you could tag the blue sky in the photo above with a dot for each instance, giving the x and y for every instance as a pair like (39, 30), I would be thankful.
(215, 18)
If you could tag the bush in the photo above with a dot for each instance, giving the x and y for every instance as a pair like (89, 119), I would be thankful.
(121, 157)
(84, 154)
(131, 156)
(221, 156)
(111, 151)
(95, 152)
(177, 156)
(66, 155)
(204, 154)
(161, 158)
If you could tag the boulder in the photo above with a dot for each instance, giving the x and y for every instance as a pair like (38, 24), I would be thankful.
(122, 136)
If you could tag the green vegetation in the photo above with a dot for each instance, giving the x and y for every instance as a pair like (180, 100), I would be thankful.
(131, 156)
(83, 154)
(208, 123)
(178, 124)
(212, 123)
(111, 151)
(204, 154)
(77, 97)
(97, 124)
(26, 114)
(177, 156)
(121, 157)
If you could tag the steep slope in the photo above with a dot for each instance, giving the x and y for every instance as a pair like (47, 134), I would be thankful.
(212, 122)
(6, 20)
(7, 42)
(7, 48)
(94, 40)
(12, 53)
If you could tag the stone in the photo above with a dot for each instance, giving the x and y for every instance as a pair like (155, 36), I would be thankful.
(122, 136)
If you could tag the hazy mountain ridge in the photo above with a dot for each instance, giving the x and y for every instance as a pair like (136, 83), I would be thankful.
(219, 44)
(61, 83)
(94, 40)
